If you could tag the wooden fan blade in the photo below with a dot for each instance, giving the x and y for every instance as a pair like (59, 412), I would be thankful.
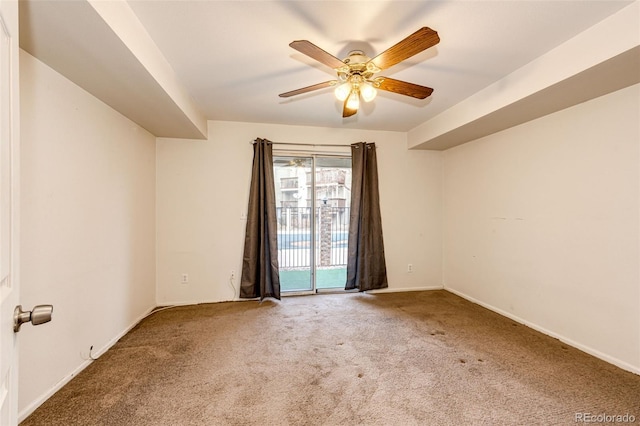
(403, 88)
(309, 88)
(313, 51)
(421, 40)
(347, 112)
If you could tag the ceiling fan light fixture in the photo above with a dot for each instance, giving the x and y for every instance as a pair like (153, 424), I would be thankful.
(354, 100)
(356, 73)
(368, 92)
(342, 91)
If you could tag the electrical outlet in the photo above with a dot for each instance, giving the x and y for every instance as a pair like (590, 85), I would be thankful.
(185, 278)
(410, 268)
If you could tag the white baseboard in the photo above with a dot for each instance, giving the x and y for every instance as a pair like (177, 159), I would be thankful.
(591, 351)
(402, 290)
(26, 412)
(199, 302)
(304, 293)
(48, 394)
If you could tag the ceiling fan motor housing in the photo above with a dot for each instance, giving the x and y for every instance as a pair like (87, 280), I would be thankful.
(357, 68)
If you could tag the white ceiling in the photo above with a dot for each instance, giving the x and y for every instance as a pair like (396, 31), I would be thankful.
(232, 57)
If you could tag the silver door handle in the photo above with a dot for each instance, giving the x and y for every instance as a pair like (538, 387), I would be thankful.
(39, 315)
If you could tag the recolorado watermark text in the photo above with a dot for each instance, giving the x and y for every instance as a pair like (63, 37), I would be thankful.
(604, 418)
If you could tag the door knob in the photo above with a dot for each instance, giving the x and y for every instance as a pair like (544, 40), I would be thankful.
(39, 315)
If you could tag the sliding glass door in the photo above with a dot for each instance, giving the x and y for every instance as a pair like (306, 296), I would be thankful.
(313, 195)
(294, 208)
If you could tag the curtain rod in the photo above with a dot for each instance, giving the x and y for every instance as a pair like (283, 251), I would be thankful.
(306, 144)
(284, 151)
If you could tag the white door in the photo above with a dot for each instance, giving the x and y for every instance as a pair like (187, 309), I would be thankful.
(9, 212)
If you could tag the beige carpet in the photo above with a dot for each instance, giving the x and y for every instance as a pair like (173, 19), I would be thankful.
(419, 358)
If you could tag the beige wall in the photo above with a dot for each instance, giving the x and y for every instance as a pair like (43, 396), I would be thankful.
(88, 227)
(541, 223)
(202, 189)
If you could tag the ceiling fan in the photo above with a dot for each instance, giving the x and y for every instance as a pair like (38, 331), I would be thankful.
(357, 73)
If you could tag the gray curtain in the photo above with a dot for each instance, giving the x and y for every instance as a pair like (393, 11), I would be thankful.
(260, 275)
(366, 268)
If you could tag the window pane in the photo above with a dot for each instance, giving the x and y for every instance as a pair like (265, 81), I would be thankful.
(294, 215)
